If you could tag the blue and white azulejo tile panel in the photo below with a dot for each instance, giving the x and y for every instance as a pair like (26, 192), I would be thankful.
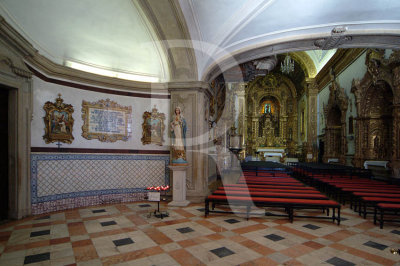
(64, 176)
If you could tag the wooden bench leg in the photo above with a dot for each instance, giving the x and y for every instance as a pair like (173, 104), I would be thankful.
(206, 208)
(365, 210)
(338, 215)
(333, 215)
(290, 214)
(247, 212)
(381, 221)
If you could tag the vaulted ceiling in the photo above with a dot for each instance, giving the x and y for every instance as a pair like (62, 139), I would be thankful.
(183, 40)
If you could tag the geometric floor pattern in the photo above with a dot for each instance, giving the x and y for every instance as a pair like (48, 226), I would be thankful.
(123, 234)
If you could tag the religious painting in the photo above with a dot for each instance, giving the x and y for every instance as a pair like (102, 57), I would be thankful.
(58, 121)
(106, 121)
(153, 127)
(269, 106)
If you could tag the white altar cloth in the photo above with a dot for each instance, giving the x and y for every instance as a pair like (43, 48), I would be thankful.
(376, 163)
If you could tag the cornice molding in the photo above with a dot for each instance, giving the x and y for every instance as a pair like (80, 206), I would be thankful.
(163, 88)
(339, 62)
(15, 40)
(54, 70)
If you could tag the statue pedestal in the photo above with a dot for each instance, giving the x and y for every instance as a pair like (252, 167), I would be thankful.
(179, 185)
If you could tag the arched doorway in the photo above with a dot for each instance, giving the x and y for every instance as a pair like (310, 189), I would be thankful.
(4, 160)
(334, 132)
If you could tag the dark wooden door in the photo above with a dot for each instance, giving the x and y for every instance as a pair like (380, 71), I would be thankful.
(3, 153)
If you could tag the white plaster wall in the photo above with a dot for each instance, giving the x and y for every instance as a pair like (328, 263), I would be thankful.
(44, 91)
(323, 97)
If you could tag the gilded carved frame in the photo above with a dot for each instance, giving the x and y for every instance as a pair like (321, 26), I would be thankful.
(153, 127)
(118, 118)
(58, 121)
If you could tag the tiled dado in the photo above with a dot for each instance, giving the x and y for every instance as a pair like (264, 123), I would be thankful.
(63, 181)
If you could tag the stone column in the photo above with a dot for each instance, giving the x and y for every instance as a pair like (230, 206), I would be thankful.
(242, 123)
(191, 99)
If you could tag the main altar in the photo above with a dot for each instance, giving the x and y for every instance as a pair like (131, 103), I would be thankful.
(271, 105)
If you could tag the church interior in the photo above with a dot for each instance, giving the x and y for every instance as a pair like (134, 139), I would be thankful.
(200, 132)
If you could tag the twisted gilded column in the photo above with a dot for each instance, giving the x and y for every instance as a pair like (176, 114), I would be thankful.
(396, 122)
(312, 93)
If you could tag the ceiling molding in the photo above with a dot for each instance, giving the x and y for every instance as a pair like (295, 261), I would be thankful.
(388, 41)
(9, 35)
(169, 23)
(243, 20)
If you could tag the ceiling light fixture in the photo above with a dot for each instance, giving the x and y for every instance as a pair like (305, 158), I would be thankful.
(287, 65)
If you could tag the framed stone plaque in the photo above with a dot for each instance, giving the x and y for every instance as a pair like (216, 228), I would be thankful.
(106, 121)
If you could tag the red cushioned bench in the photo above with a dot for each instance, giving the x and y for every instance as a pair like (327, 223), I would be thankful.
(269, 190)
(373, 201)
(269, 186)
(288, 204)
(249, 182)
(356, 196)
(392, 208)
(343, 192)
(274, 180)
(270, 194)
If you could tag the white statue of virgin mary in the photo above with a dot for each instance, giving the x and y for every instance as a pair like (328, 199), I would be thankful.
(178, 134)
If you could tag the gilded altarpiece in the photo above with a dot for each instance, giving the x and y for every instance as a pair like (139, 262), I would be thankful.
(335, 117)
(271, 118)
(378, 107)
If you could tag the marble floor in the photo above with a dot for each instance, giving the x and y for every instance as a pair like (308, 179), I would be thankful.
(124, 234)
